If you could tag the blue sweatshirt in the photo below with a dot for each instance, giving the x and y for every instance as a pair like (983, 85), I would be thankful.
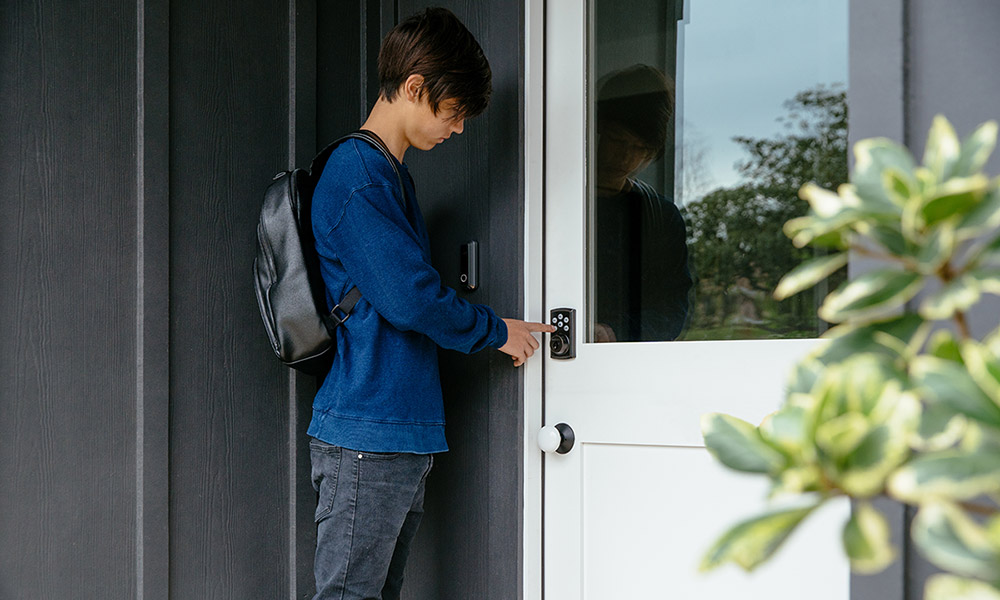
(383, 392)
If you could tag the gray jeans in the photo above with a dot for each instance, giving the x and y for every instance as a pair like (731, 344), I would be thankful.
(369, 507)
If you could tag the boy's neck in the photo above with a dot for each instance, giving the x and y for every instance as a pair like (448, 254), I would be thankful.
(386, 121)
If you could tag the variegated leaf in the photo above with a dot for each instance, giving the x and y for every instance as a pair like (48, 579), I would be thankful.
(738, 445)
(751, 542)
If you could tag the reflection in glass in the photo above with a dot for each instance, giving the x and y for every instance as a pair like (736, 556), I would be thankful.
(691, 184)
(641, 273)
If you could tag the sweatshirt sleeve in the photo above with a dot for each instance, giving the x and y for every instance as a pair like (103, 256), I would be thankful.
(383, 257)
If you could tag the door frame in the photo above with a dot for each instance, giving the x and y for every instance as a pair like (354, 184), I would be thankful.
(534, 297)
(533, 472)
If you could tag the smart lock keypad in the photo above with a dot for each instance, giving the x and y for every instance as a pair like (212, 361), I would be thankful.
(562, 342)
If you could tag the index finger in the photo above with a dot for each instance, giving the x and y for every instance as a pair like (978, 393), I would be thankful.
(539, 327)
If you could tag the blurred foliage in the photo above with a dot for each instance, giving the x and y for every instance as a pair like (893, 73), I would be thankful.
(734, 234)
(900, 400)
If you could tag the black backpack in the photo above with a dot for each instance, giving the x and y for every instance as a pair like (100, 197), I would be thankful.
(291, 294)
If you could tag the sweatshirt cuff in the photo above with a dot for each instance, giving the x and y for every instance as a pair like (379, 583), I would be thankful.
(499, 333)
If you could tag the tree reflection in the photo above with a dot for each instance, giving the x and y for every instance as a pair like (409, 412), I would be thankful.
(734, 234)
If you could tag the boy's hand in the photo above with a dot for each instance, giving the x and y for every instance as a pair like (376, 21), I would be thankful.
(520, 343)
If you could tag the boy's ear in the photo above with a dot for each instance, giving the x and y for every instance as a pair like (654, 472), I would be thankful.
(412, 87)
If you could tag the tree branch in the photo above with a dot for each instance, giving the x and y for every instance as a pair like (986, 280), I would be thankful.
(979, 509)
(963, 326)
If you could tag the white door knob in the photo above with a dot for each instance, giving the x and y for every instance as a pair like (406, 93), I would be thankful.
(558, 438)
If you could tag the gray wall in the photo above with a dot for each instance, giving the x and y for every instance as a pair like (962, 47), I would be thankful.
(911, 60)
(144, 434)
(150, 445)
(67, 302)
(952, 54)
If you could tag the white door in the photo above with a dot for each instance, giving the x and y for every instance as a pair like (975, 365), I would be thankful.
(632, 506)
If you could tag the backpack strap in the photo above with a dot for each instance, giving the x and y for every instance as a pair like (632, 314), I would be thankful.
(373, 140)
(378, 144)
(345, 306)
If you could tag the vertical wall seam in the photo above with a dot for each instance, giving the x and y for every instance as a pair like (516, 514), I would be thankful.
(291, 83)
(152, 479)
(522, 295)
(302, 99)
(293, 423)
(363, 59)
(139, 308)
(906, 547)
(905, 76)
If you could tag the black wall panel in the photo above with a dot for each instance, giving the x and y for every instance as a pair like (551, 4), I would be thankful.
(67, 298)
(150, 445)
(228, 436)
(911, 60)
(952, 55)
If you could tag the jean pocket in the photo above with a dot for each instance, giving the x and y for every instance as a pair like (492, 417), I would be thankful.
(381, 455)
(325, 471)
(321, 446)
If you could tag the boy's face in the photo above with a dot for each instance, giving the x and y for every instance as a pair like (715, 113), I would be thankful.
(426, 129)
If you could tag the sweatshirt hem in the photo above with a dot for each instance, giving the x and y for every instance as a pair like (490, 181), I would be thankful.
(369, 435)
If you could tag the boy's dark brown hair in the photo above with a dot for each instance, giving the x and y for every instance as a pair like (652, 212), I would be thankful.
(436, 45)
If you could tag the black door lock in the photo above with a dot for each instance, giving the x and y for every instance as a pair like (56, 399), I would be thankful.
(562, 342)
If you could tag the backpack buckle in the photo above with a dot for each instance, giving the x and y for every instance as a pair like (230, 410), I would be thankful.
(337, 319)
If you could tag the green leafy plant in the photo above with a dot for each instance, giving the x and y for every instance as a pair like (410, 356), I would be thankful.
(900, 399)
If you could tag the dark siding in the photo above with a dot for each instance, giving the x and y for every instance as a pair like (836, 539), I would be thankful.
(67, 238)
(150, 446)
(228, 436)
(952, 53)
(911, 60)
(137, 139)
(339, 40)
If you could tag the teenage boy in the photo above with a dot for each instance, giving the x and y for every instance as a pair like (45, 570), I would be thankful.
(378, 418)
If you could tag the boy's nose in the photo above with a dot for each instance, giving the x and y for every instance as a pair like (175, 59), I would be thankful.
(459, 126)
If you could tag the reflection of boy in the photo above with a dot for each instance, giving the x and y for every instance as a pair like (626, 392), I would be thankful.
(642, 276)
(379, 416)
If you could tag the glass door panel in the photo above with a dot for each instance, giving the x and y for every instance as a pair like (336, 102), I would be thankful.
(705, 117)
